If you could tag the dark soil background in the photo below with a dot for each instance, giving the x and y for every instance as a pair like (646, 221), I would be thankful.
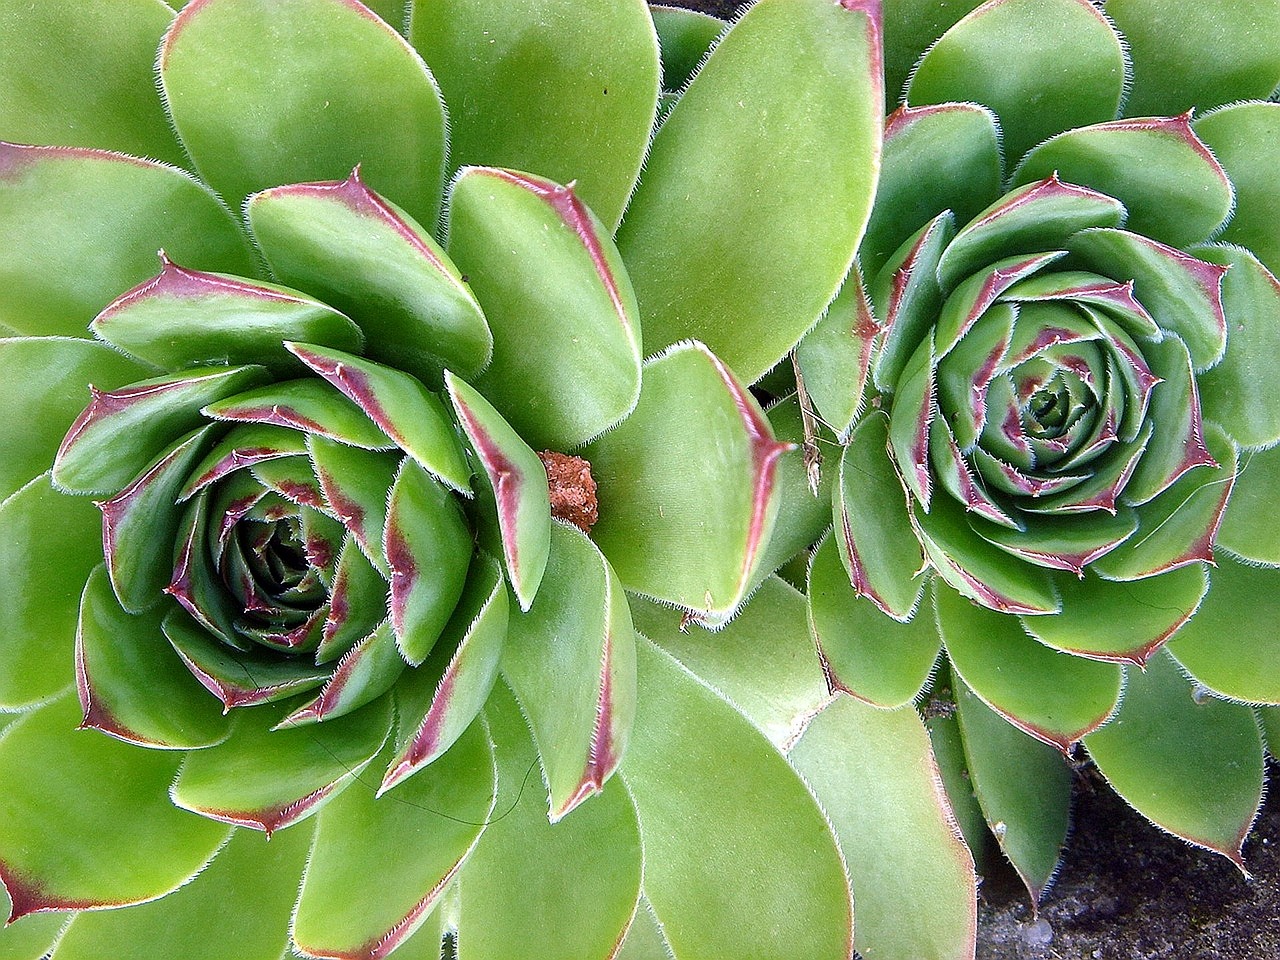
(1127, 891)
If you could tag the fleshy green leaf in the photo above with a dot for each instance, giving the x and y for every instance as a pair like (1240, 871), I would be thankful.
(686, 506)
(684, 37)
(953, 770)
(909, 33)
(570, 660)
(1192, 766)
(312, 406)
(184, 317)
(1068, 70)
(762, 660)
(724, 881)
(1054, 697)
(865, 653)
(270, 779)
(428, 546)
(49, 543)
(262, 95)
(51, 400)
(566, 338)
(370, 259)
(1122, 621)
(1248, 529)
(1234, 392)
(878, 548)
(259, 878)
(518, 483)
(558, 890)
(1182, 293)
(438, 701)
(365, 672)
(83, 75)
(141, 523)
(1230, 645)
(936, 158)
(1235, 48)
(356, 483)
(561, 87)
(1239, 137)
(1173, 188)
(406, 845)
(913, 882)
(58, 852)
(132, 685)
(122, 431)
(791, 97)
(1023, 787)
(80, 226)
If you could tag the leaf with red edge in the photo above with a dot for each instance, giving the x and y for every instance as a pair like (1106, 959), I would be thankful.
(438, 701)
(976, 294)
(566, 328)
(687, 505)
(401, 406)
(60, 851)
(268, 779)
(913, 410)
(311, 406)
(239, 448)
(365, 672)
(370, 259)
(122, 430)
(1054, 697)
(517, 481)
(428, 546)
(357, 602)
(407, 846)
(1191, 765)
(184, 317)
(356, 484)
(130, 682)
(570, 659)
(49, 543)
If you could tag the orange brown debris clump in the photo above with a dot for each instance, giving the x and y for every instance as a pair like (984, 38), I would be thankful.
(573, 489)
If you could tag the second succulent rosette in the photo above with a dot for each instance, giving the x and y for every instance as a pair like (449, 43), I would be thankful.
(1050, 375)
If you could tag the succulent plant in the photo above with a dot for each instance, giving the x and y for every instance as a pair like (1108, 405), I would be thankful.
(1050, 374)
(346, 544)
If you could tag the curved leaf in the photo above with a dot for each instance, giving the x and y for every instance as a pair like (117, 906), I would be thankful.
(561, 87)
(1239, 136)
(913, 881)
(263, 94)
(1247, 529)
(791, 98)
(684, 38)
(59, 852)
(79, 226)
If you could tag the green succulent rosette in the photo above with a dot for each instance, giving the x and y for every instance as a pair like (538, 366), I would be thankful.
(1051, 376)
(333, 522)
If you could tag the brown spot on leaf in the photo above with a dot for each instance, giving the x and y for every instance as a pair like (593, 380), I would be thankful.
(573, 489)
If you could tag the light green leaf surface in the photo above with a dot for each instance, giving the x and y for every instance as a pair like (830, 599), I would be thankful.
(369, 258)
(51, 401)
(1248, 527)
(762, 660)
(570, 660)
(865, 653)
(1191, 766)
(909, 33)
(723, 879)
(562, 891)
(1231, 645)
(565, 88)
(1067, 69)
(684, 37)
(263, 94)
(566, 337)
(1235, 48)
(132, 684)
(48, 544)
(237, 909)
(1174, 190)
(1240, 136)
(129, 845)
(269, 779)
(686, 506)
(1054, 697)
(790, 98)
(1023, 787)
(913, 882)
(101, 219)
(378, 866)
(83, 75)
(834, 358)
